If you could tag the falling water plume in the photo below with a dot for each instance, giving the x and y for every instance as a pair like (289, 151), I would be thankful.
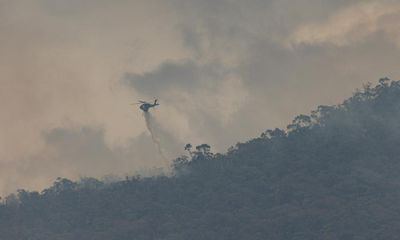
(150, 126)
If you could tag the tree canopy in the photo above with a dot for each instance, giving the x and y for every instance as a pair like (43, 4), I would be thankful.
(332, 174)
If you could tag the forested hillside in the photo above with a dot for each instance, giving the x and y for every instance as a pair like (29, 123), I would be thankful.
(333, 174)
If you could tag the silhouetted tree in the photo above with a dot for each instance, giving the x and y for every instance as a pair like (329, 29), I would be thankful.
(188, 147)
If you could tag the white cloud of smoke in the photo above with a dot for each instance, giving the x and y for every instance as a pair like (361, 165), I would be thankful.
(353, 24)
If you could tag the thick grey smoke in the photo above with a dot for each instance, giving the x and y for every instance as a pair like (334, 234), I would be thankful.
(225, 69)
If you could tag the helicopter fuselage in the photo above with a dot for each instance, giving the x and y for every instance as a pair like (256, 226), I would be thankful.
(146, 106)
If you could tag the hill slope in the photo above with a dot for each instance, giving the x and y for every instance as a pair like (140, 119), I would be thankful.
(331, 175)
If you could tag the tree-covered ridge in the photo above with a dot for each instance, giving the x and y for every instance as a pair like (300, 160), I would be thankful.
(333, 174)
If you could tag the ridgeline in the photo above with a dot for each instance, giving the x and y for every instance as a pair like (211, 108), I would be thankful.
(333, 174)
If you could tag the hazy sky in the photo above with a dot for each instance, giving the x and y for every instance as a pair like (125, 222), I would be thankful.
(224, 71)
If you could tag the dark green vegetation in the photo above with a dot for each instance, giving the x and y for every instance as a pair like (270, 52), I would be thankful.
(332, 175)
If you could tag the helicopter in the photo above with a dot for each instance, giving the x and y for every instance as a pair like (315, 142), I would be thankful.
(145, 106)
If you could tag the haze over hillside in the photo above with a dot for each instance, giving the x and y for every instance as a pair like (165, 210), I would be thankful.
(223, 70)
(332, 174)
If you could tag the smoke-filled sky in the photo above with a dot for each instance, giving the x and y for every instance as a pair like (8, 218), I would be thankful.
(223, 70)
